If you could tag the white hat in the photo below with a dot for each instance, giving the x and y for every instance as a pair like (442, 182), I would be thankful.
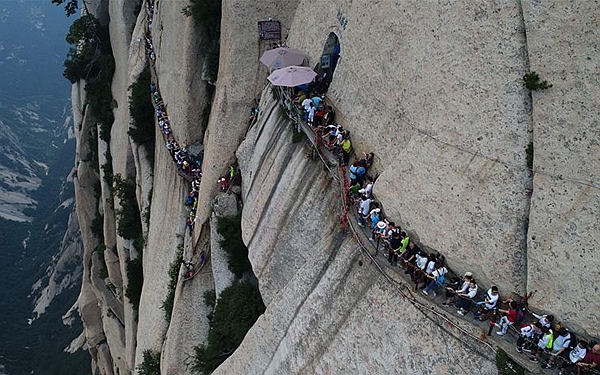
(381, 225)
(377, 210)
(468, 274)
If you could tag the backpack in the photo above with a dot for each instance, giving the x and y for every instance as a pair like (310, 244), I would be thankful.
(441, 279)
(572, 341)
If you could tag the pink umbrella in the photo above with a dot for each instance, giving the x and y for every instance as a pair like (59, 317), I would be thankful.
(292, 76)
(282, 57)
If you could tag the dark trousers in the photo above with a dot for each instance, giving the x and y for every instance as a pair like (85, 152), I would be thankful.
(465, 303)
(345, 157)
(392, 257)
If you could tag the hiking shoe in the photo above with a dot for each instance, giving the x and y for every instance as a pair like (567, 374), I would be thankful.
(425, 292)
(547, 365)
(519, 349)
(500, 333)
(461, 312)
(445, 304)
(370, 239)
(534, 359)
(527, 350)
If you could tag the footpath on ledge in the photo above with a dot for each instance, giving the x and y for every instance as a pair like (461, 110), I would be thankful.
(478, 330)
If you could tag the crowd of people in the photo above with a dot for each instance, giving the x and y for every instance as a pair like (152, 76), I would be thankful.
(541, 338)
(188, 164)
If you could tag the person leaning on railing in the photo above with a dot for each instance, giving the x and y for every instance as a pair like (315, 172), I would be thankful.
(591, 361)
(466, 299)
(574, 356)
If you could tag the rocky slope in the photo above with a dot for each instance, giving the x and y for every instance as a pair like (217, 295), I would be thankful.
(436, 92)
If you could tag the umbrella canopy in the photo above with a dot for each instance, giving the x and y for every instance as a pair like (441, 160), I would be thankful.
(282, 57)
(292, 76)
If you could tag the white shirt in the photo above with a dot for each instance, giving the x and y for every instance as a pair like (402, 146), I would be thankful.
(472, 292)
(577, 354)
(364, 206)
(527, 331)
(493, 299)
(439, 272)
(464, 287)
(367, 190)
(561, 342)
(430, 266)
(543, 320)
(421, 262)
(306, 104)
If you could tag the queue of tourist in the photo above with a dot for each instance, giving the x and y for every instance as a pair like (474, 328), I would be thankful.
(542, 339)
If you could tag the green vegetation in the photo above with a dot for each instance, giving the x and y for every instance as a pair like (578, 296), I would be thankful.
(146, 214)
(91, 59)
(70, 6)
(207, 14)
(139, 243)
(150, 365)
(108, 169)
(97, 226)
(236, 311)
(92, 143)
(135, 277)
(129, 226)
(206, 114)
(237, 252)
(506, 366)
(129, 223)
(210, 298)
(533, 82)
(103, 270)
(141, 109)
(297, 136)
(167, 304)
(529, 155)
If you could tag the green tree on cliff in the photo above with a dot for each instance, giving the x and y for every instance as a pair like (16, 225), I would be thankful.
(71, 6)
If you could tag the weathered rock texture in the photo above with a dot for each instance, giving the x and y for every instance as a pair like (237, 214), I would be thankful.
(563, 233)
(64, 272)
(435, 90)
(327, 311)
(239, 84)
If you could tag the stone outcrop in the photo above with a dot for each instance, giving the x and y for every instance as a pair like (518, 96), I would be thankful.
(65, 271)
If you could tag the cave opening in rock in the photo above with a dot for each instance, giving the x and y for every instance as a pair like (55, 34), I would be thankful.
(328, 62)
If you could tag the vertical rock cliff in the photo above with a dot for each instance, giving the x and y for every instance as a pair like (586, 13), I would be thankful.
(435, 91)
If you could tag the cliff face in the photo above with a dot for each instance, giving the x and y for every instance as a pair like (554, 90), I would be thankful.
(436, 92)
(563, 230)
(328, 310)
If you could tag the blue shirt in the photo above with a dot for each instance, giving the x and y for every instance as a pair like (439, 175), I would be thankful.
(317, 101)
